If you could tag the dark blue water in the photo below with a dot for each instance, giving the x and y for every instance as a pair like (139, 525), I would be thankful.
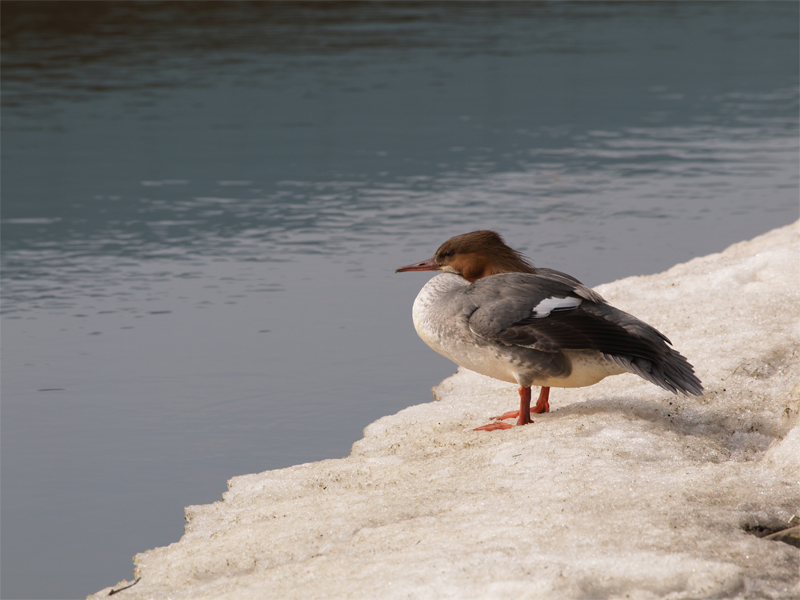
(203, 206)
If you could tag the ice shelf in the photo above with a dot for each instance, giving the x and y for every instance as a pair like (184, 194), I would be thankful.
(622, 491)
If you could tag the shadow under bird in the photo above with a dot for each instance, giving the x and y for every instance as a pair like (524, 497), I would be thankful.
(493, 312)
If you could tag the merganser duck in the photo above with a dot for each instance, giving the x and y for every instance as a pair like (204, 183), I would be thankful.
(493, 312)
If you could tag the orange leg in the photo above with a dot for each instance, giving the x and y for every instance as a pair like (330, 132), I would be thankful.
(524, 413)
(543, 403)
(524, 406)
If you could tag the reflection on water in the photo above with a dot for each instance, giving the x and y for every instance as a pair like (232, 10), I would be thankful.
(607, 184)
(203, 209)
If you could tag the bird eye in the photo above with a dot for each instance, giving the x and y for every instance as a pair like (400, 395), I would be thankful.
(448, 253)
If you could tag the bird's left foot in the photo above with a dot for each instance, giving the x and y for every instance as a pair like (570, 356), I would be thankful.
(493, 427)
(512, 414)
(542, 406)
(523, 414)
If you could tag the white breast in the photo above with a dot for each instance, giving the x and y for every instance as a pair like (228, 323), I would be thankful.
(442, 323)
(433, 322)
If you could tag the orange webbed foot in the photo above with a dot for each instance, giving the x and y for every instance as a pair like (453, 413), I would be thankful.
(509, 415)
(523, 415)
(543, 408)
(493, 426)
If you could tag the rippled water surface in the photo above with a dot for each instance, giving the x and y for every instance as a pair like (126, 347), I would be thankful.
(203, 207)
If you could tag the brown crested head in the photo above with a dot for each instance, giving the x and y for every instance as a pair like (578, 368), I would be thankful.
(475, 255)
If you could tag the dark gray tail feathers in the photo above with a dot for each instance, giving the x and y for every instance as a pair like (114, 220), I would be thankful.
(673, 372)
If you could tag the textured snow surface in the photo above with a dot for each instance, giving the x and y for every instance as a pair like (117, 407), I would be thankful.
(622, 491)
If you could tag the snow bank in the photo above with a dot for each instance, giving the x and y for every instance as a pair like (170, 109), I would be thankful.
(622, 491)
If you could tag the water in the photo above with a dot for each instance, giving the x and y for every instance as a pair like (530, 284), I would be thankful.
(203, 208)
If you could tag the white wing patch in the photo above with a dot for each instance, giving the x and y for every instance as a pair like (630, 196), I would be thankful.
(546, 306)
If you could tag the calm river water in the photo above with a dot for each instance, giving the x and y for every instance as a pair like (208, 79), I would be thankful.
(203, 206)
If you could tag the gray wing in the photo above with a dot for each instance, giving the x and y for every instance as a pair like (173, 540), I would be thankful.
(579, 320)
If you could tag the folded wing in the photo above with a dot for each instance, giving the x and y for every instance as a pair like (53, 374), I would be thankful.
(552, 312)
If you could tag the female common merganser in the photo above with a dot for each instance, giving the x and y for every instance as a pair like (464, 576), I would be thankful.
(493, 312)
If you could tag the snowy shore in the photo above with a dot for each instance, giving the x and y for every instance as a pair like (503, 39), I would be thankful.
(622, 491)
